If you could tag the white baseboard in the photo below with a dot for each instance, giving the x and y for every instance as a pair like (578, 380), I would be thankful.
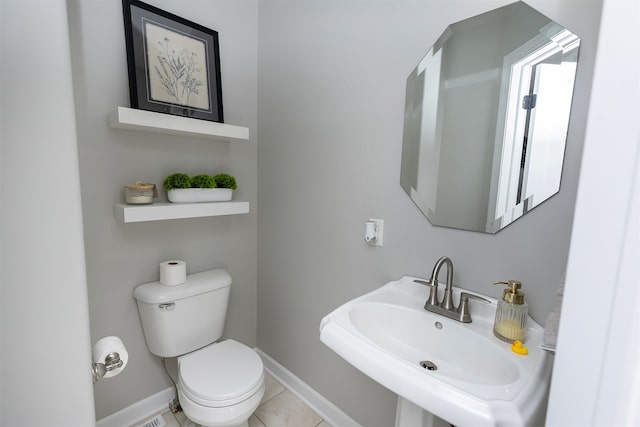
(159, 402)
(327, 410)
(139, 411)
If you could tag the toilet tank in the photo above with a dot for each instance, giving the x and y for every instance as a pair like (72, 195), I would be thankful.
(180, 319)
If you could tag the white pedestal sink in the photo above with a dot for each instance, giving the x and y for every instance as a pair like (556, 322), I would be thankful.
(471, 378)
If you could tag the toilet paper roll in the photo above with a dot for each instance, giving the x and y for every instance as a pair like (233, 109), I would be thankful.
(107, 346)
(173, 273)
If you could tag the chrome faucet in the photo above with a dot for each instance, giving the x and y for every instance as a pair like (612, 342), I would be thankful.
(446, 307)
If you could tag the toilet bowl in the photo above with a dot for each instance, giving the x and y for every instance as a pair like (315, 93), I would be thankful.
(221, 384)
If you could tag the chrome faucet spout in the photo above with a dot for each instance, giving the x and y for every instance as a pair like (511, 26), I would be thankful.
(436, 271)
(447, 301)
(446, 307)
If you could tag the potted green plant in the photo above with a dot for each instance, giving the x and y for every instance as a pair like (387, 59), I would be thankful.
(176, 180)
(203, 181)
(224, 180)
(199, 188)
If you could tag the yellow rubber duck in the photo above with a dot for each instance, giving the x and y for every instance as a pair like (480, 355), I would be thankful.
(518, 348)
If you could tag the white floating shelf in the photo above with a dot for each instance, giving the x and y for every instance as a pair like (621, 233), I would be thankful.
(150, 121)
(163, 211)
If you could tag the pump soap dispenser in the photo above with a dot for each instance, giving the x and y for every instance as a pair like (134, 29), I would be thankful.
(511, 314)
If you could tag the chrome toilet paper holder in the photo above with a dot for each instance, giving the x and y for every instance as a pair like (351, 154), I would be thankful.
(111, 361)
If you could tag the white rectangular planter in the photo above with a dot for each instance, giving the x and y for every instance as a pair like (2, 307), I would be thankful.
(199, 195)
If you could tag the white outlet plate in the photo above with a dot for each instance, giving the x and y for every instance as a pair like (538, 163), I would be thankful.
(380, 224)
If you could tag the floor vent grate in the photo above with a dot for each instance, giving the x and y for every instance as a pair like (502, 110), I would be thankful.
(157, 421)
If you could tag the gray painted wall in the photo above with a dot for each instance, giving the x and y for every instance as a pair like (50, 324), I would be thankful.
(45, 351)
(121, 256)
(331, 100)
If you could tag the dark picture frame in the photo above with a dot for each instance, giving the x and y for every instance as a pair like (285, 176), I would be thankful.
(173, 63)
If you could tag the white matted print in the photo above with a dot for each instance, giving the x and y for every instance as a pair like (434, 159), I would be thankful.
(177, 65)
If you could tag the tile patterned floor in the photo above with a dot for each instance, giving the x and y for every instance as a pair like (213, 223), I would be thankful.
(279, 408)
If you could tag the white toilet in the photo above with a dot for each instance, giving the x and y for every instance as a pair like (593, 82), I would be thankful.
(219, 383)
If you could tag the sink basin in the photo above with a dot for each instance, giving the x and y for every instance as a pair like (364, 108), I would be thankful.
(459, 372)
(412, 335)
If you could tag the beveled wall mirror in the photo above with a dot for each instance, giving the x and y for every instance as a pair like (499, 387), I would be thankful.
(486, 118)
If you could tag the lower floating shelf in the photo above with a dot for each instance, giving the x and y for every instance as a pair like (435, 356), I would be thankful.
(163, 211)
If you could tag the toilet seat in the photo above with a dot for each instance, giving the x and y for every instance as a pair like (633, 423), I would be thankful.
(221, 374)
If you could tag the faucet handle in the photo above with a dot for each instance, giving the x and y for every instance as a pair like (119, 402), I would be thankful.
(463, 308)
(464, 296)
(433, 293)
(426, 283)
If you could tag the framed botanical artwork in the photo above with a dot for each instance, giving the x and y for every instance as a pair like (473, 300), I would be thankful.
(174, 64)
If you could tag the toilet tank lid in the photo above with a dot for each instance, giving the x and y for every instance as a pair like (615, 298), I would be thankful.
(196, 284)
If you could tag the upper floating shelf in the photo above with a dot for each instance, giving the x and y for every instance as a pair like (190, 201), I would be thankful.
(150, 121)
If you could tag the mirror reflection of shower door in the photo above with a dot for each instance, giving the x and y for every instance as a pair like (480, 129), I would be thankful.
(528, 104)
(548, 121)
(537, 103)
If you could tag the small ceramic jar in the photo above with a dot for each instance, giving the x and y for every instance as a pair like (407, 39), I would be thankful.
(140, 193)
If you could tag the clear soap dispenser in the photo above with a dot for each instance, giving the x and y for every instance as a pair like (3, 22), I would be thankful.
(512, 313)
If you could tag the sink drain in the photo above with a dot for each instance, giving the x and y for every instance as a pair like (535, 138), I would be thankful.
(429, 365)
